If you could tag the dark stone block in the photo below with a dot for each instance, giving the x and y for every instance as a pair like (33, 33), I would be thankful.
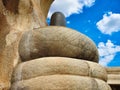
(58, 19)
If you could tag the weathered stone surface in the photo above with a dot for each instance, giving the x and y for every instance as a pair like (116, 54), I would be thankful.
(58, 65)
(114, 79)
(96, 70)
(103, 85)
(61, 82)
(113, 76)
(113, 70)
(17, 16)
(57, 41)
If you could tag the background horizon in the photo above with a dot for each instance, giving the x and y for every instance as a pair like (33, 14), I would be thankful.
(99, 20)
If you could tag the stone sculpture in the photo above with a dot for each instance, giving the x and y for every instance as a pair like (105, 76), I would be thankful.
(34, 56)
(56, 41)
(16, 17)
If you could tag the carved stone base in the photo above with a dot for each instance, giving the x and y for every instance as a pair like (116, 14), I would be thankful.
(59, 73)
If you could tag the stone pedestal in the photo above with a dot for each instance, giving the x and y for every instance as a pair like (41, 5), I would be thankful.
(50, 58)
(42, 69)
(59, 73)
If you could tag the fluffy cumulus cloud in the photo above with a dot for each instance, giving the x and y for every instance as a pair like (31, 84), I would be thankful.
(107, 52)
(110, 23)
(69, 7)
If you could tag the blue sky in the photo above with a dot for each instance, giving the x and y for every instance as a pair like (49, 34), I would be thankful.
(99, 20)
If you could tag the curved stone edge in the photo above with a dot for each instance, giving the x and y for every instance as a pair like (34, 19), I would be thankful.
(102, 85)
(97, 71)
(61, 82)
(58, 65)
(57, 41)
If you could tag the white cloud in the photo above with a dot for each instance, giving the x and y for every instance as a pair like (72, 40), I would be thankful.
(107, 52)
(110, 23)
(68, 22)
(69, 7)
(87, 3)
